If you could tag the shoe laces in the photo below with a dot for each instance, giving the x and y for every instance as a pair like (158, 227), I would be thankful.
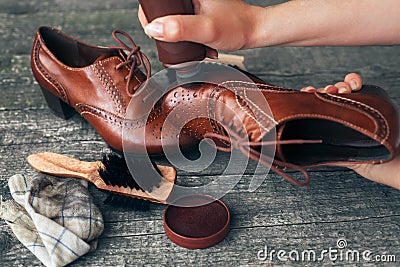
(234, 140)
(134, 59)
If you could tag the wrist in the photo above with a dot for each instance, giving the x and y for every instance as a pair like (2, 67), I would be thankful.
(256, 28)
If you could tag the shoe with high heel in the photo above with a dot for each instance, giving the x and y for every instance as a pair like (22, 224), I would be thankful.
(98, 82)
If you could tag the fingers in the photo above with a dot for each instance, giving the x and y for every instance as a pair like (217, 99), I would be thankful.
(352, 83)
(343, 87)
(331, 89)
(142, 17)
(176, 28)
(354, 80)
(210, 52)
(328, 89)
(308, 89)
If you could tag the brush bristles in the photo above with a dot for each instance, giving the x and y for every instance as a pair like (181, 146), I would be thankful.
(117, 173)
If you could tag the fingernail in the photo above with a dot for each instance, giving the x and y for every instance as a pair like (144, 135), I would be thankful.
(342, 90)
(353, 84)
(154, 29)
(308, 89)
(330, 89)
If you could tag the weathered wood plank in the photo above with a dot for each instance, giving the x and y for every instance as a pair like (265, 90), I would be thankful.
(241, 246)
(263, 221)
(337, 204)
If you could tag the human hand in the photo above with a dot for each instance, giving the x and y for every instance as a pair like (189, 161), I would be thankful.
(351, 83)
(220, 24)
(385, 173)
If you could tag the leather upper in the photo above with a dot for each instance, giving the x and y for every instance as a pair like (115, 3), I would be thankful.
(88, 78)
(357, 127)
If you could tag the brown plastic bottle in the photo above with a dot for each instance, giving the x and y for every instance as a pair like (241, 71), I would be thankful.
(178, 52)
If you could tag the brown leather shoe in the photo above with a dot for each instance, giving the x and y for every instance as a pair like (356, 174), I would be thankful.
(310, 129)
(98, 82)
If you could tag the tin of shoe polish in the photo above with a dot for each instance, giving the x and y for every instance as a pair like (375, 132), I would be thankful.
(196, 227)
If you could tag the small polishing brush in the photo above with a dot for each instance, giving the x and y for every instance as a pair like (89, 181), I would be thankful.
(110, 174)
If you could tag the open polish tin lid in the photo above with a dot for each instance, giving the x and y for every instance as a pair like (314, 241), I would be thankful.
(195, 227)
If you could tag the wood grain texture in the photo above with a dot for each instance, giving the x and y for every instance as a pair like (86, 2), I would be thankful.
(338, 204)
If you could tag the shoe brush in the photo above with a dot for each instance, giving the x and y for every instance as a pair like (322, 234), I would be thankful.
(110, 174)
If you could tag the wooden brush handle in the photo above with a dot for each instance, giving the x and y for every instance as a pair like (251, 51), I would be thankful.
(63, 166)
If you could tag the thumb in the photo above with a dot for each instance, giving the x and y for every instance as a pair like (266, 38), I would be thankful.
(174, 28)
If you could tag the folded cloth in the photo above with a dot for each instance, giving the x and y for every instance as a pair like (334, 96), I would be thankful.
(55, 218)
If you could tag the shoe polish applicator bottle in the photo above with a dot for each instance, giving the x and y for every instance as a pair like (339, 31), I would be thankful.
(178, 52)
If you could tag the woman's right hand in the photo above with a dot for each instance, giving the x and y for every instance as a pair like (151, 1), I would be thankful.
(220, 24)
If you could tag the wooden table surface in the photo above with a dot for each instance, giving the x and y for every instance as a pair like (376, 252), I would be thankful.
(337, 205)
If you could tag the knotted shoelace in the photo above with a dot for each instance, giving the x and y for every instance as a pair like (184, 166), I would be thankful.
(134, 59)
(235, 141)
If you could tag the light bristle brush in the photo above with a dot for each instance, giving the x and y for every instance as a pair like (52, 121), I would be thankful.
(112, 175)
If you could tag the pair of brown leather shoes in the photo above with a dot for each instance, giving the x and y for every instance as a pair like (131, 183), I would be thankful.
(309, 129)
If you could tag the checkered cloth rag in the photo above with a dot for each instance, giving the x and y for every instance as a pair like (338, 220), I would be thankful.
(55, 218)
